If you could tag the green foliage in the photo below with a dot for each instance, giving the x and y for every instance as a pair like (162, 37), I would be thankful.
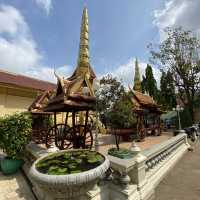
(15, 133)
(185, 117)
(114, 104)
(143, 83)
(120, 153)
(69, 162)
(150, 82)
(121, 116)
(110, 91)
(179, 54)
(167, 91)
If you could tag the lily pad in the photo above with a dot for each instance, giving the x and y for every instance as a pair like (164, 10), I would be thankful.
(63, 163)
(92, 160)
(72, 166)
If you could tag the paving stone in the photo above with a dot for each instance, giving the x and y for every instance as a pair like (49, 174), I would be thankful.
(182, 182)
(14, 187)
(108, 141)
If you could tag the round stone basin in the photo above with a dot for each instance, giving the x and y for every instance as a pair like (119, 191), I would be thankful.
(57, 174)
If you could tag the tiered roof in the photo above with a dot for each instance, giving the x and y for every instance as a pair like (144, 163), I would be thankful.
(40, 102)
(143, 102)
(76, 92)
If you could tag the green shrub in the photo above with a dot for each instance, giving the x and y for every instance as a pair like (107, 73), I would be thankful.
(15, 133)
(121, 116)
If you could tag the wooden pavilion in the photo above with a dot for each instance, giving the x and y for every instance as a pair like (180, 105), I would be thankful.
(148, 114)
(147, 111)
(40, 119)
(75, 95)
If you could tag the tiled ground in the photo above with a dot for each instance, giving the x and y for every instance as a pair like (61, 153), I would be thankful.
(182, 182)
(14, 187)
(108, 141)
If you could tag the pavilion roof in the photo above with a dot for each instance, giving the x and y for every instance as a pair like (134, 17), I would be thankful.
(70, 97)
(40, 102)
(91, 72)
(76, 92)
(144, 99)
(144, 102)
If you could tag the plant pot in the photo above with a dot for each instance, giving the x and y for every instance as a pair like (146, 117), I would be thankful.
(66, 186)
(10, 166)
(121, 153)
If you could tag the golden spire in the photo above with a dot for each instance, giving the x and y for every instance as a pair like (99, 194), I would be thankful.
(83, 58)
(137, 81)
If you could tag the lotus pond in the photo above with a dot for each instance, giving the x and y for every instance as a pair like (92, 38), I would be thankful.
(69, 162)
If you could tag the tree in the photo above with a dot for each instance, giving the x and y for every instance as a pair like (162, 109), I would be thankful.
(179, 54)
(150, 82)
(111, 90)
(167, 91)
(143, 84)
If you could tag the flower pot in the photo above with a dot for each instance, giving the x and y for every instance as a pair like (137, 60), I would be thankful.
(10, 166)
(120, 153)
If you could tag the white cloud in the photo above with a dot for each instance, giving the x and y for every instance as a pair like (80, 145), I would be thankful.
(176, 13)
(47, 73)
(126, 72)
(11, 21)
(45, 4)
(18, 51)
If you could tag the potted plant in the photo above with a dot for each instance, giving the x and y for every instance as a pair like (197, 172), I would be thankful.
(15, 134)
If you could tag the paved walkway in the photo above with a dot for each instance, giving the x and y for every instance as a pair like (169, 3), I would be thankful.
(183, 181)
(14, 187)
(108, 141)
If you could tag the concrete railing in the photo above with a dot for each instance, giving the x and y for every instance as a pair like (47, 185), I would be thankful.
(162, 157)
(137, 178)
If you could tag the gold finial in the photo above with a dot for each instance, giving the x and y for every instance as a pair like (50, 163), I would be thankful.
(137, 81)
(83, 58)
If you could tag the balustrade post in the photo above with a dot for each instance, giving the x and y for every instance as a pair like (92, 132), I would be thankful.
(138, 174)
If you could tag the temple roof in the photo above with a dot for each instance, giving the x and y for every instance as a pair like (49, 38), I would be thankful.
(76, 92)
(143, 102)
(40, 102)
(18, 80)
(144, 99)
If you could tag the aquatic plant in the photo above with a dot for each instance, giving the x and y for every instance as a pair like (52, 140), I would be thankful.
(71, 162)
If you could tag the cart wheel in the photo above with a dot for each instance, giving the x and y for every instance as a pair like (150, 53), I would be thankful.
(68, 139)
(50, 137)
(88, 139)
(80, 138)
(56, 136)
(61, 132)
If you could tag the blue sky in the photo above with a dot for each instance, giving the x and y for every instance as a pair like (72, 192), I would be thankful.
(37, 36)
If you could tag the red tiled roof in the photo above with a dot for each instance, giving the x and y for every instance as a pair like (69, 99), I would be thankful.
(24, 81)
